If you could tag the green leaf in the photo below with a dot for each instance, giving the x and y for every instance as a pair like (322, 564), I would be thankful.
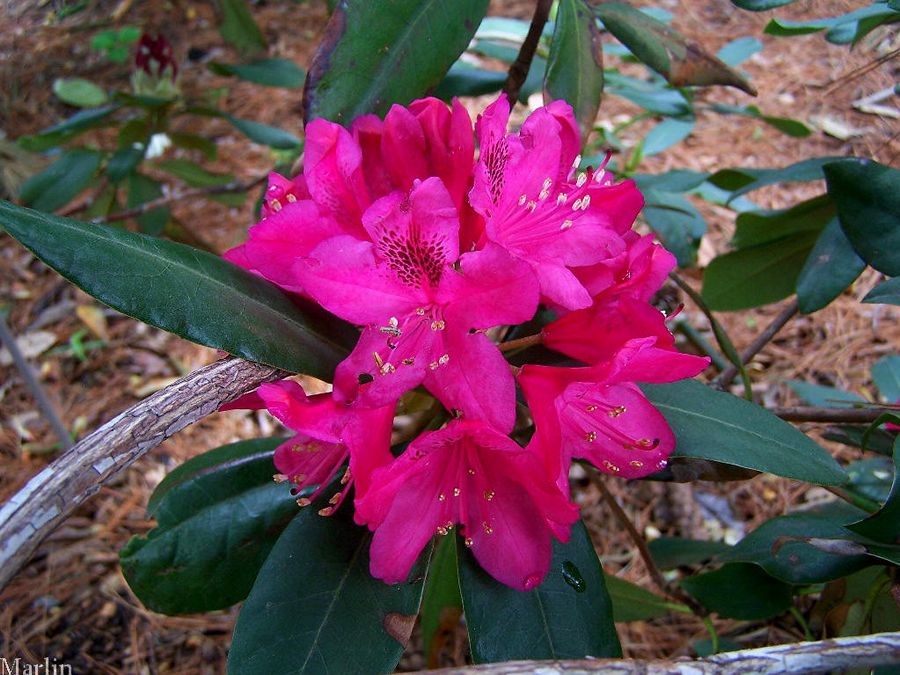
(884, 526)
(466, 80)
(667, 51)
(720, 427)
(371, 58)
(194, 142)
(559, 619)
(806, 548)
(867, 196)
(762, 227)
(885, 293)
(666, 134)
(676, 180)
(78, 92)
(630, 602)
(739, 50)
(316, 609)
(886, 374)
(267, 72)
(829, 270)
(441, 603)
(194, 174)
(654, 97)
(758, 275)
(878, 440)
(760, 5)
(876, 10)
(740, 181)
(575, 66)
(872, 477)
(141, 190)
(677, 222)
(218, 516)
(785, 125)
(65, 131)
(265, 134)
(829, 397)
(124, 161)
(62, 181)
(740, 591)
(672, 552)
(238, 27)
(188, 292)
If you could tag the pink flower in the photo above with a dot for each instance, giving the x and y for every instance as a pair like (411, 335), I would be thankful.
(327, 434)
(423, 306)
(470, 475)
(599, 414)
(534, 206)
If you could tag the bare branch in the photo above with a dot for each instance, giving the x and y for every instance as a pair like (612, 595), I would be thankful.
(48, 498)
(839, 654)
(518, 71)
(802, 413)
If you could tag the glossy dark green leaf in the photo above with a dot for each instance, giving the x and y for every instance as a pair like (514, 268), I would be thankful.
(761, 227)
(884, 526)
(441, 602)
(758, 275)
(671, 552)
(194, 174)
(265, 134)
(316, 609)
(464, 79)
(867, 196)
(143, 189)
(829, 270)
(879, 440)
(667, 133)
(886, 374)
(805, 548)
(742, 180)
(819, 395)
(887, 292)
(739, 50)
(630, 602)
(876, 10)
(553, 621)
(62, 181)
(575, 64)
(238, 27)
(124, 161)
(676, 180)
(677, 223)
(371, 58)
(740, 591)
(713, 425)
(79, 92)
(267, 72)
(667, 51)
(760, 5)
(218, 516)
(189, 292)
(67, 130)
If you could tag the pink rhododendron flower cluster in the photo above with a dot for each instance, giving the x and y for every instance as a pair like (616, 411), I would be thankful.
(395, 226)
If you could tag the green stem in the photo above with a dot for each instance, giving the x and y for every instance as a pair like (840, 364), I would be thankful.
(695, 338)
(713, 635)
(798, 616)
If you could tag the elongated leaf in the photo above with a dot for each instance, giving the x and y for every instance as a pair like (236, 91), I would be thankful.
(760, 5)
(143, 189)
(758, 275)
(743, 180)
(316, 609)
(829, 397)
(655, 97)
(740, 591)
(829, 270)
(265, 134)
(194, 174)
(267, 72)
(218, 516)
(761, 227)
(878, 440)
(630, 602)
(672, 552)
(714, 425)
(876, 10)
(61, 182)
(884, 525)
(575, 66)
(183, 290)
(79, 92)
(464, 79)
(885, 293)
(676, 180)
(124, 161)
(867, 196)
(371, 57)
(666, 134)
(677, 223)
(194, 142)
(568, 616)
(239, 28)
(739, 50)
(666, 50)
(785, 125)
(886, 373)
(67, 130)
(441, 603)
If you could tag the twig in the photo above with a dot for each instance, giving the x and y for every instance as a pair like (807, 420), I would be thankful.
(521, 343)
(658, 579)
(141, 209)
(724, 380)
(40, 397)
(48, 498)
(518, 71)
(796, 658)
(802, 413)
(848, 77)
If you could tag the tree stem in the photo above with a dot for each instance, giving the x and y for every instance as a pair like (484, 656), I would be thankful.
(518, 71)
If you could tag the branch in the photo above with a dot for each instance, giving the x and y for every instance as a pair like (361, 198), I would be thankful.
(724, 380)
(48, 498)
(141, 209)
(518, 71)
(839, 654)
(802, 413)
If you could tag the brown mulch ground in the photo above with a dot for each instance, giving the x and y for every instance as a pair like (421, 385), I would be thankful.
(72, 603)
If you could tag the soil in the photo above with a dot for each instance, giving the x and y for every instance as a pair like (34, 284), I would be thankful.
(71, 602)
